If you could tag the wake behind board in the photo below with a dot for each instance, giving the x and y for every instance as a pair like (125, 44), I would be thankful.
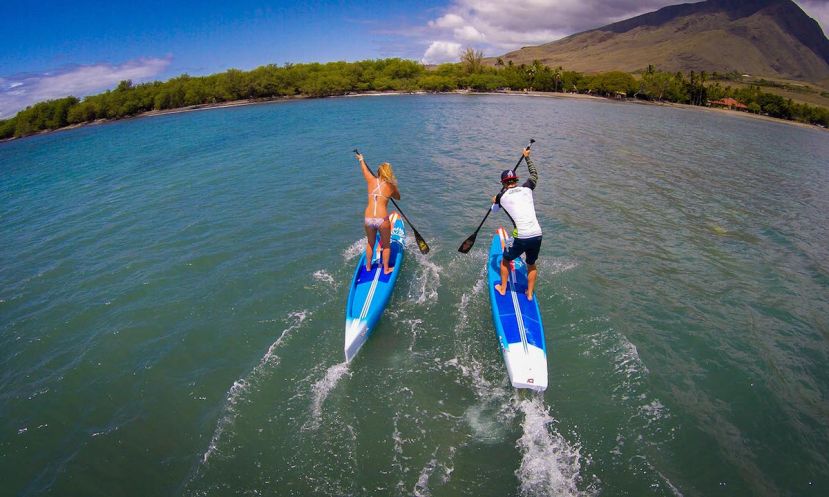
(517, 321)
(371, 290)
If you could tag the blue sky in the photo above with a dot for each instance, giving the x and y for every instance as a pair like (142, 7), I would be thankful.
(53, 49)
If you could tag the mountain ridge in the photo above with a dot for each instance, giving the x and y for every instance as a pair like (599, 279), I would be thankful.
(771, 38)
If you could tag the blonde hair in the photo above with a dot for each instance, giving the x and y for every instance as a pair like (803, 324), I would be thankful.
(386, 174)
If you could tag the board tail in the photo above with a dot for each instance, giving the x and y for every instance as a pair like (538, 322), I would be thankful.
(526, 367)
(356, 334)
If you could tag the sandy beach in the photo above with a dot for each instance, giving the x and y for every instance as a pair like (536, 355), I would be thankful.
(536, 94)
(728, 112)
(578, 96)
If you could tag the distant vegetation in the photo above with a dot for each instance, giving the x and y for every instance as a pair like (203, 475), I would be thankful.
(340, 78)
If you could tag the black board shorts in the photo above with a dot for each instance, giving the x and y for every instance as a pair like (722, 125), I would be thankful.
(530, 246)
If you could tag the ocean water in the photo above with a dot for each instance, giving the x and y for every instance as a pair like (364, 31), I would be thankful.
(172, 295)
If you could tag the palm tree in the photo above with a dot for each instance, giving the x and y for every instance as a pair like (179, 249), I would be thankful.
(472, 60)
(557, 76)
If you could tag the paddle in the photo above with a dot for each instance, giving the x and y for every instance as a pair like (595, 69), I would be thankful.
(467, 244)
(421, 243)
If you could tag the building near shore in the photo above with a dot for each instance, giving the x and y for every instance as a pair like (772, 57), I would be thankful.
(728, 103)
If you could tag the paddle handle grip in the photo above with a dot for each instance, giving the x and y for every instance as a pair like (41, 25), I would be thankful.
(532, 140)
(367, 166)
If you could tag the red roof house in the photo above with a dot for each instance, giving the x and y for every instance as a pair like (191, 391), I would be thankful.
(728, 103)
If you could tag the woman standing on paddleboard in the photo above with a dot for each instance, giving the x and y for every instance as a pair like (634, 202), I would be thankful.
(380, 189)
(517, 201)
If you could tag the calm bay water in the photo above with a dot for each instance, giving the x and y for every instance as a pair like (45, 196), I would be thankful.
(172, 295)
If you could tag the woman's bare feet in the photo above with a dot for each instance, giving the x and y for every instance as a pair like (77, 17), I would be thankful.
(501, 291)
(388, 270)
(529, 295)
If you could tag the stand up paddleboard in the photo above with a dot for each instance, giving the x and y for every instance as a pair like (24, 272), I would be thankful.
(371, 290)
(517, 321)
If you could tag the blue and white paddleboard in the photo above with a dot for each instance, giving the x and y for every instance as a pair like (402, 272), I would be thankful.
(371, 290)
(517, 321)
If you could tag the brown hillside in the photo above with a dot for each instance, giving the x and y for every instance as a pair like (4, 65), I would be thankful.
(772, 38)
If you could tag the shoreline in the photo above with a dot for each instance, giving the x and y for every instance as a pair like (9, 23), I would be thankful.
(581, 96)
(728, 112)
(733, 113)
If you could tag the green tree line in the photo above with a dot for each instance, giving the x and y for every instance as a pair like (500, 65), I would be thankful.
(340, 78)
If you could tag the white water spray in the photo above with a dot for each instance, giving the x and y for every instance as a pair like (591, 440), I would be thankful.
(242, 385)
(320, 391)
(549, 464)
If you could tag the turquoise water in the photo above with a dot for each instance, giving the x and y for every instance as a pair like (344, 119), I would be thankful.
(172, 295)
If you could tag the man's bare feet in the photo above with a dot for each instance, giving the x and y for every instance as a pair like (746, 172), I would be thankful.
(388, 270)
(501, 291)
(529, 295)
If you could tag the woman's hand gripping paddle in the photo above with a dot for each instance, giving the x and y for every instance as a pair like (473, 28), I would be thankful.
(421, 243)
(467, 244)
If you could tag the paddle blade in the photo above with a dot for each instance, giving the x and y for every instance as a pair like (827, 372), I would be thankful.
(467, 244)
(421, 243)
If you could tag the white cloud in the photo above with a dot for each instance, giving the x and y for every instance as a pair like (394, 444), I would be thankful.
(442, 51)
(18, 92)
(448, 21)
(500, 26)
(469, 33)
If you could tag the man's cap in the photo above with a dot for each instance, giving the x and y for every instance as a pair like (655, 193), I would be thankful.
(508, 175)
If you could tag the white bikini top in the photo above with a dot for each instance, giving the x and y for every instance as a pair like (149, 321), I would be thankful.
(376, 193)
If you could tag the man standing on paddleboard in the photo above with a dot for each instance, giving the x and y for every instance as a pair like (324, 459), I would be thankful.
(517, 202)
